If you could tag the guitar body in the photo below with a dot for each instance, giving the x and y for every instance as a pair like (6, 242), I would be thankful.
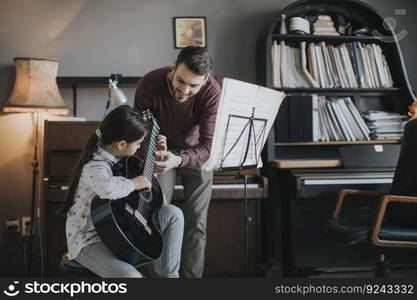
(127, 226)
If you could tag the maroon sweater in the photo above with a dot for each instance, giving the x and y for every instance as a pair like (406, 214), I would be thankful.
(188, 126)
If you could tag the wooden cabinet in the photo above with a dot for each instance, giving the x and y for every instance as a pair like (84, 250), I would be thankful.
(63, 144)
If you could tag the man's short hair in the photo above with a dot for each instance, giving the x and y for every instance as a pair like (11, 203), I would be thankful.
(196, 59)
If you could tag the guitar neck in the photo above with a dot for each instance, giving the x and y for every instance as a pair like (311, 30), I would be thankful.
(150, 155)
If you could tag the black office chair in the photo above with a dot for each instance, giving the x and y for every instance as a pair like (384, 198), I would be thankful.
(395, 221)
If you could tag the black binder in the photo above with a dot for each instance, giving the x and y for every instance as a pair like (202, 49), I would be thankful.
(300, 118)
(370, 156)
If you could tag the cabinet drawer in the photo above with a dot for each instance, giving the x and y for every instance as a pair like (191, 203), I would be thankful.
(71, 136)
(61, 163)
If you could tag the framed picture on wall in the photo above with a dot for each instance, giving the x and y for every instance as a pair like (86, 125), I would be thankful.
(190, 31)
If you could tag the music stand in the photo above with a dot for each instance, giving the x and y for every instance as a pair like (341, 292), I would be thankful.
(239, 154)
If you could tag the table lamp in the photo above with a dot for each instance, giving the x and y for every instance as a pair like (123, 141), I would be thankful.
(35, 91)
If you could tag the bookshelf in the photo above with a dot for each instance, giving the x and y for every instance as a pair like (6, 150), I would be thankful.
(337, 143)
(346, 91)
(291, 157)
(319, 38)
(392, 99)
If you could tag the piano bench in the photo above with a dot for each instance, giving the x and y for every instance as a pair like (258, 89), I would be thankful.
(71, 268)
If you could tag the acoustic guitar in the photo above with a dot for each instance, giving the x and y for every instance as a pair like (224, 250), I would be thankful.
(129, 226)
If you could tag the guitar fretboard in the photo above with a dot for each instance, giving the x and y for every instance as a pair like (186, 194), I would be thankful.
(150, 155)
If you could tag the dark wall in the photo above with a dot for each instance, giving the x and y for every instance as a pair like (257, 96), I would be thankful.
(100, 37)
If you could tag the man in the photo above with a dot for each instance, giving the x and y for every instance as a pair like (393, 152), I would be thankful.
(184, 99)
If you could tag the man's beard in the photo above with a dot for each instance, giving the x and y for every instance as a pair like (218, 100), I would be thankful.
(175, 91)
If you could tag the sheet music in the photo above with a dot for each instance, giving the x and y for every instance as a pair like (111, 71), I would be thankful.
(237, 101)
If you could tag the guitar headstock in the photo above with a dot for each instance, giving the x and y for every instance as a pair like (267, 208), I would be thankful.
(147, 115)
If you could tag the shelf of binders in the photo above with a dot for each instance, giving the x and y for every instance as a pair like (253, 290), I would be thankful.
(325, 38)
(364, 69)
(339, 90)
(338, 143)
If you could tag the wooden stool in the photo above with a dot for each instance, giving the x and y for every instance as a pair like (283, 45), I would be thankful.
(73, 269)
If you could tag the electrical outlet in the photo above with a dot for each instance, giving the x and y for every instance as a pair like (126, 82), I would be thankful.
(13, 225)
(26, 225)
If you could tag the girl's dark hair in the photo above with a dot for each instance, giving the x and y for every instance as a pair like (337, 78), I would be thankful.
(121, 124)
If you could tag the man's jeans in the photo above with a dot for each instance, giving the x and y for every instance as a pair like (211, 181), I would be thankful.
(197, 193)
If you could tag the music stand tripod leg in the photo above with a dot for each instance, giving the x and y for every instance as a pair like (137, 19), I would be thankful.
(248, 220)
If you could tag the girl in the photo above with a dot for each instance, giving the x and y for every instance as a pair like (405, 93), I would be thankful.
(120, 135)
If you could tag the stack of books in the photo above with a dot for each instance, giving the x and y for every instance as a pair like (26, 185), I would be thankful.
(298, 25)
(385, 125)
(324, 26)
(348, 65)
(339, 120)
(319, 118)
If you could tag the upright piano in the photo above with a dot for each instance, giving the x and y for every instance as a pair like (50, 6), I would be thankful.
(302, 196)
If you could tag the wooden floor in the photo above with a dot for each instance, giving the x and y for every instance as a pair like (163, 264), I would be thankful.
(397, 271)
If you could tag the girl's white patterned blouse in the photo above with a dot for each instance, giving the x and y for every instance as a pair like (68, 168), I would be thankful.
(96, 179)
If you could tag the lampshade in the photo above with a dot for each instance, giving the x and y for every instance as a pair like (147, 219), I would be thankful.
(117, 97)
(35, 88)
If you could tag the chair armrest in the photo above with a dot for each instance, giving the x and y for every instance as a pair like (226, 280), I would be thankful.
(380, 217)
(347, 192)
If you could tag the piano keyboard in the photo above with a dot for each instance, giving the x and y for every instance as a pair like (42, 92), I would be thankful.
(229, 191)
(347, 181)
(327, 184)
(347, 178)
(215, 186)
(226, 186)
